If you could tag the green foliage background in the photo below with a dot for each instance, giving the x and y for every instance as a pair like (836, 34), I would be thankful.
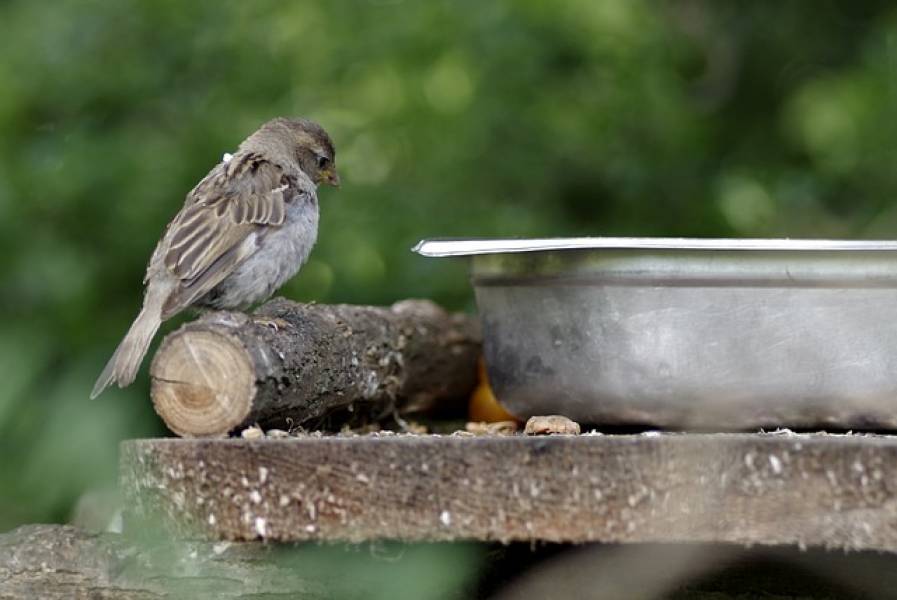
(530, 118)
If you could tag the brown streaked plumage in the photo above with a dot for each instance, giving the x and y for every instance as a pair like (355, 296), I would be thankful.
(245, 229)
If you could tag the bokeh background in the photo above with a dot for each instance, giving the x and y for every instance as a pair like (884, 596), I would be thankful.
(463, 118)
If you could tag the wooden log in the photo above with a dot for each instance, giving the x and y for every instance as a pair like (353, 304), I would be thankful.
(50, 562)
(833, 491)
(47, 562)
(292, 363)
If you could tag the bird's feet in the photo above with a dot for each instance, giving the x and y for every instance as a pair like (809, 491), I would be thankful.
(274, 323)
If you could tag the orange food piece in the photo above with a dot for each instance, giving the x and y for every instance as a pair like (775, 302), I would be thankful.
(484, 406)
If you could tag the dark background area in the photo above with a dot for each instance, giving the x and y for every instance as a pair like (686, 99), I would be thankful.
(532, 118)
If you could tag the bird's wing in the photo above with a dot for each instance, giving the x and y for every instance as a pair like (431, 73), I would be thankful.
(220, 224)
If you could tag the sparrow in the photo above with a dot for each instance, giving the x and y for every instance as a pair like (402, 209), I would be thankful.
(243, 231)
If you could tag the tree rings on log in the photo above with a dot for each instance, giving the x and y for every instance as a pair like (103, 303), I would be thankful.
(206, 384)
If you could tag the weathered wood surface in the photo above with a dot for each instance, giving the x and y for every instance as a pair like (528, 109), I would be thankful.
(61, 562)
(807, 490)
(294, 363)
(47, 562)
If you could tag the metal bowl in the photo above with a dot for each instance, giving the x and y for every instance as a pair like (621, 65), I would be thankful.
(689, 333)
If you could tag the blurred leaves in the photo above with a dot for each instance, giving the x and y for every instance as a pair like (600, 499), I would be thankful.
(450, 119)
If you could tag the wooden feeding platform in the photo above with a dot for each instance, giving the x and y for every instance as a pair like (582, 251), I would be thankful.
(320, 366)
(832, 491)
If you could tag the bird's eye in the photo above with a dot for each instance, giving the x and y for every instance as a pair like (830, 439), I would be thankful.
(323, 162)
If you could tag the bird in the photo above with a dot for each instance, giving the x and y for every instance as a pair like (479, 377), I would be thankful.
(244, 230)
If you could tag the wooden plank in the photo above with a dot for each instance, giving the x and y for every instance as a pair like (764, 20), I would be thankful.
(809, 490)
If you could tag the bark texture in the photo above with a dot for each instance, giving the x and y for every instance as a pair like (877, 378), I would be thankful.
(808, 490)
(290, 364)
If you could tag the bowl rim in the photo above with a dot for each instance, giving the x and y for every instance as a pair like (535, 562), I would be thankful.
(443, 247)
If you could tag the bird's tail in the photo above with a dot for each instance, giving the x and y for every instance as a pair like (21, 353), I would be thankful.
(123, 366)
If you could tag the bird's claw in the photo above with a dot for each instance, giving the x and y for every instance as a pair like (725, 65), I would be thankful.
(274, 323)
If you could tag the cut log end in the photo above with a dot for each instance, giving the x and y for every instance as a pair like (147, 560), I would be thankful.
(202, 383)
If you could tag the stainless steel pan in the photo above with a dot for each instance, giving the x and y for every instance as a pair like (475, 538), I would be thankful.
(689, 333)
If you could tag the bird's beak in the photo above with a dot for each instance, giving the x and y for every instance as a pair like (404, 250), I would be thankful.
(331, 177)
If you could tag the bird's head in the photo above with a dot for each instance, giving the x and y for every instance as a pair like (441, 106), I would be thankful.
(308, 144)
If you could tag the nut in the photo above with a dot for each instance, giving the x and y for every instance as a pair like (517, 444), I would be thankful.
(253, 432)
(496, 428)
(551, 425)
